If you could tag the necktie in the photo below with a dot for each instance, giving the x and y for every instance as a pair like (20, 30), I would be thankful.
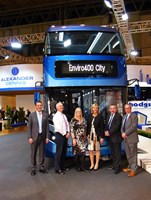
(110, 121)
(40, 121)
(124, 122)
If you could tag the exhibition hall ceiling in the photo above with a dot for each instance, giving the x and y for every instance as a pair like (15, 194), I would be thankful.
(19, 13)
(10, 5)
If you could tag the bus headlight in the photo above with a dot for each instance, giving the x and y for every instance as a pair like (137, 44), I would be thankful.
(53, 137)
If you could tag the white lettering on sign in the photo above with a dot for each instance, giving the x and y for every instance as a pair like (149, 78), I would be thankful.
(100, 68)
(86, 68)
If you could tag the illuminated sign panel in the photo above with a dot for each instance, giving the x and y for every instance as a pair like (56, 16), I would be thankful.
(86, 69)
(19, 76)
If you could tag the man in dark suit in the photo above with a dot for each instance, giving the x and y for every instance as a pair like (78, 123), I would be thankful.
(38, 136)
(113, 132)
(129, 133)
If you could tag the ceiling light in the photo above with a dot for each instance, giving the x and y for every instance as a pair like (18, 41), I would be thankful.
(134, 53)
(16, 45)
(124, 16)
(61, 35)
(108, 3)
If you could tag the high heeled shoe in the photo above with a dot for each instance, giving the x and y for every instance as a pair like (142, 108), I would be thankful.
(96, 167)
(91, 168)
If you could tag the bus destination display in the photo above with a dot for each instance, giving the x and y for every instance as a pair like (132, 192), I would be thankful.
(86, 69)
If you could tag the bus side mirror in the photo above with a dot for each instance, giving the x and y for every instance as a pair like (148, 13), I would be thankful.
(137, 91)
(36, 97)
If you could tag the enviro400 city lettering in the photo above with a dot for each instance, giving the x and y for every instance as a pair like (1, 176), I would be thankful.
(87, 68)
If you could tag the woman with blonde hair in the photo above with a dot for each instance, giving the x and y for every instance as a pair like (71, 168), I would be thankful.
(79, 139)
(95, 134)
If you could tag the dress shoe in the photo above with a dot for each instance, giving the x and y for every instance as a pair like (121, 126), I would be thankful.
(85, 170)
(44, 171)
(126, 170)
(60, 172)
(110, 168)
(65, 169)
(78, 169)
(33, 172)
(131, 174)
(117, 171)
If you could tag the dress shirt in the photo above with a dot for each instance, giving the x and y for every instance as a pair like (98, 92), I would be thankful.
(39, 116)
(125, 120)
(128, 116)
(110, 120)
(61, 123)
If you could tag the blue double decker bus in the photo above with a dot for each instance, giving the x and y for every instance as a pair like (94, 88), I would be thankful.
(83, 65)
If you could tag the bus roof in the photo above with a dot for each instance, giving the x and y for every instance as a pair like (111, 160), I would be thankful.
(81, 28)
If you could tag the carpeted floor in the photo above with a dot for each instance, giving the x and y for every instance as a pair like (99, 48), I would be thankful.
(16, 183)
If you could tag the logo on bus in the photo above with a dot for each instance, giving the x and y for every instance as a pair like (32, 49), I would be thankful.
(140, 104)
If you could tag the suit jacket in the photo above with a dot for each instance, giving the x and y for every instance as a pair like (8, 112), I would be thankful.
(131, 128)
(34, 127)
(98, 125)
(115, 128)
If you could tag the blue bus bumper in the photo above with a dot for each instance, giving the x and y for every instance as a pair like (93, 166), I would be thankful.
(50, 149)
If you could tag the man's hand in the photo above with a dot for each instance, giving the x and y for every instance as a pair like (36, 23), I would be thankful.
(47, 140)
(101, 140)
(107, 133)
(74, 142)
(30, 140)
(124, 135)
(67, 135)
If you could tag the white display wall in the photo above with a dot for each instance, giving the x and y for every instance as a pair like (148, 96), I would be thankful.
(26, 101)
(14, 78)
(20, 77)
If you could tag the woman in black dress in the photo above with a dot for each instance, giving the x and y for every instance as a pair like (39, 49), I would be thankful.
(78, 133)
(95, 134)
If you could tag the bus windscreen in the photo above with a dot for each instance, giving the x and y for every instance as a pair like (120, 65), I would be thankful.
(82, 42)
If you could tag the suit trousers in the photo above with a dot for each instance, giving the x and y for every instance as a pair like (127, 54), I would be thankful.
(131, 154)
(116, 154)
(38, 144)
(61, 149)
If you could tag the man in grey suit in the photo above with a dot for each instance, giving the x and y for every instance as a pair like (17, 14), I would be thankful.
(129, 133)
(38, 136)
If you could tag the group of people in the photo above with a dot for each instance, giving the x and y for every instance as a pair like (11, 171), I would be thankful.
(83, 133)
(15, 117)
(2, 114)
